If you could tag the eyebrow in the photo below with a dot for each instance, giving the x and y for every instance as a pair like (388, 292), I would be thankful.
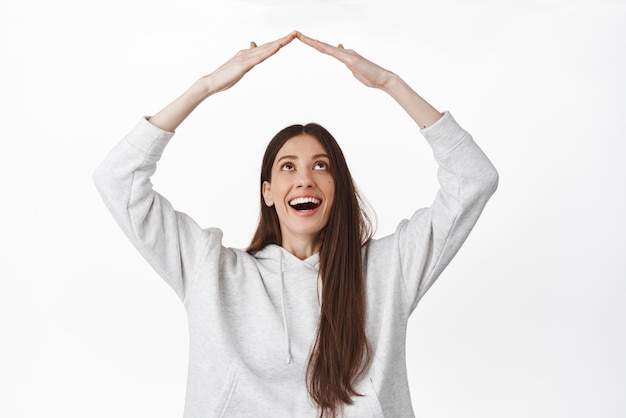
(295, 157)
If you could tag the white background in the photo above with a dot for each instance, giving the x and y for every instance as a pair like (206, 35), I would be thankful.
(528, 320)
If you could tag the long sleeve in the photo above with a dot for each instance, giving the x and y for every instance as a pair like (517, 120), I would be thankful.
(467, 180)
(422, 246)
(170, 241)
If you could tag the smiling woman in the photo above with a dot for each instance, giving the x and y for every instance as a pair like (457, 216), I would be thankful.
(305, 178)
(311, 319)
(301, 189)
(297, 182)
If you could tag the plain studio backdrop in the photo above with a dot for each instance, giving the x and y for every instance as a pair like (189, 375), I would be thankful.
(528, 320)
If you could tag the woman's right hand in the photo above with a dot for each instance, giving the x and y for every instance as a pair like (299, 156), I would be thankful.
(235, 68)
(373, 75)
(367, 72)
(226, 76)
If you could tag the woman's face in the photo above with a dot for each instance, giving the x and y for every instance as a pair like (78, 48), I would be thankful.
(302, 189)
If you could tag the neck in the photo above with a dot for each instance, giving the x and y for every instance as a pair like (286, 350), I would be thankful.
(302, 248)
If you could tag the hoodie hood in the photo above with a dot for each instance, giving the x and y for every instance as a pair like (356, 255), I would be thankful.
(273, 252)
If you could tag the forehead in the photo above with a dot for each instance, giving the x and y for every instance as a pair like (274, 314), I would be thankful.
(302, 145)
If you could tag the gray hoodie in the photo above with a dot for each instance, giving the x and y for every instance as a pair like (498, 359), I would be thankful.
(252, 319)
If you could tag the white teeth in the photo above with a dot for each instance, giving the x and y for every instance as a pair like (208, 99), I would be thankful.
(300, 200)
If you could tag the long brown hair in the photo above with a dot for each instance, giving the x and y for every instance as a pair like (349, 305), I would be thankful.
(341, 352)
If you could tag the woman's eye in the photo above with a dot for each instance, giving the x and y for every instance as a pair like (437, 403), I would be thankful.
(287, 167)
(320, 165)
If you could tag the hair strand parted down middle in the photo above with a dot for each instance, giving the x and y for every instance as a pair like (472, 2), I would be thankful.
(341, 351)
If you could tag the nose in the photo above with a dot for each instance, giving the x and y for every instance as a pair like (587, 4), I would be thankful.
(305, 179)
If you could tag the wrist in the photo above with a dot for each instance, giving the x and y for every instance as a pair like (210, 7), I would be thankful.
(202, 88)
(391, 83)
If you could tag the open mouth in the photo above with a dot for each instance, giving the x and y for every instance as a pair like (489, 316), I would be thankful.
(304, 203)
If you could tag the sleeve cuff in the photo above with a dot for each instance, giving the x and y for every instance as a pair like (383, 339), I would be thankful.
(148, 138)
(445, 134)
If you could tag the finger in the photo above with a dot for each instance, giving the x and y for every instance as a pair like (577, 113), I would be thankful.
(286, 39)
(280, 42)
(338, 52)
(263, 52)
(252, 45)
(309, 41)
(323, 47)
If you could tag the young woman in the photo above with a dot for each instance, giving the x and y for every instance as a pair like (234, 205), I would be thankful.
(311, 319)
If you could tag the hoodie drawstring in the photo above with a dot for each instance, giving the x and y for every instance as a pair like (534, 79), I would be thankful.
(284, 309)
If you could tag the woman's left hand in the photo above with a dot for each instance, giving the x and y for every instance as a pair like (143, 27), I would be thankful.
(368, 73)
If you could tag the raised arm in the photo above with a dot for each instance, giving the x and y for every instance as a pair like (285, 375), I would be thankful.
(373, 75)
(221, 79)
(169, 240)
(424, 245)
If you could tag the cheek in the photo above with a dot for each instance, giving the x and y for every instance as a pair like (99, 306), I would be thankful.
(279, 192)
(330, 185)
(330, 190)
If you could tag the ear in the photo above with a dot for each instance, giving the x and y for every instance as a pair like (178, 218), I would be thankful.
(267, 194)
